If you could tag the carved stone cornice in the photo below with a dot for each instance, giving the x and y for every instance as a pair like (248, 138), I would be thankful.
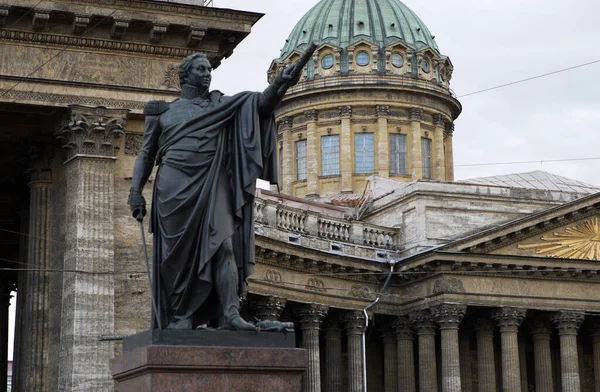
(345, 111)
(157, 32)
(91, 131)
(80, 24)
(439, 120)
(3, 14)
(119, 28)
(423, 322)
(40, 170)
(268, 308)
(62, 100)
(311, 316)
(415, 114)
(567, 323)
(403, 328)
(99, 44)
(382, 110)
(196, 36)
(40, 19)
(285, 123)
(449, 129)
(448, 316)
(354, 322)
(311, 115)
(509, 319)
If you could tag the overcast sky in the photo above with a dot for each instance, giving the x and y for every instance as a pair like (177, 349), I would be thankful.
(490, 42)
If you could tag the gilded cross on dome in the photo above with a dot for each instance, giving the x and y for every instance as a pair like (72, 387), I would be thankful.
(579, 242)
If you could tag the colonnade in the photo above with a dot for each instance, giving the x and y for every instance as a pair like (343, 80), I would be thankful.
(436, 350)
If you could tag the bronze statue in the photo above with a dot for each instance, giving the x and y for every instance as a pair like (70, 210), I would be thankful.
(210, 149)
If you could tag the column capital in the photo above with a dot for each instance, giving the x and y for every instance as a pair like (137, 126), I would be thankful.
(423, 322)
(484, 325)
(509, 319)
(382, 110)
(345, 111)
(415, 114)
(449, 129)
(268, 308)
(311, 316)
(439, 120)
(540, 329)
(40, 171)
(91, 131)
(285, 122)
(567, 323)
(354, 322)
(595, 330)
(311, 115)
(448, 316)
(332, 325)
(403, 328)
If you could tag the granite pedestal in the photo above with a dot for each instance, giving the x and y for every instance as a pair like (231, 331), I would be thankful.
(215, 361)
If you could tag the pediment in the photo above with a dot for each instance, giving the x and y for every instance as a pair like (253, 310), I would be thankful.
(577, 240)
(568, 231)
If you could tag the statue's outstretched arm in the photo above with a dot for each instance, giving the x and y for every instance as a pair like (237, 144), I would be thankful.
(288, 77)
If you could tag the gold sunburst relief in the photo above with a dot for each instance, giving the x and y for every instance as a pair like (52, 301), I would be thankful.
(579, 242)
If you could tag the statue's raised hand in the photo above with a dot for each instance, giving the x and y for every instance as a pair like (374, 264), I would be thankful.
(290, 75)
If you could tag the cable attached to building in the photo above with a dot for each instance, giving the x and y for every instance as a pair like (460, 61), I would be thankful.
(392, 264)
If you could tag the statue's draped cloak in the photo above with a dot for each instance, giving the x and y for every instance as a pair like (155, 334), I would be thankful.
(204, 190)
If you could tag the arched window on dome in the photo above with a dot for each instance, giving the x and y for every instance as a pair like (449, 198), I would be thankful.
(363, 58)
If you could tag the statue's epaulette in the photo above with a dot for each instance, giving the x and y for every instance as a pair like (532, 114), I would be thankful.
(155, 108)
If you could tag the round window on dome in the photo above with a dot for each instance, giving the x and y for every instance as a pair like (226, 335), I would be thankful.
(397, 60)
(425, 66)
(363, 58)
(327, 61)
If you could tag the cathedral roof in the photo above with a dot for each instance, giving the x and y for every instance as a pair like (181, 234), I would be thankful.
(344, 22)
(537, 179)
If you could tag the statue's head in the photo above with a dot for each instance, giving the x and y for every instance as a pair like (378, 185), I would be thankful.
(195, 70)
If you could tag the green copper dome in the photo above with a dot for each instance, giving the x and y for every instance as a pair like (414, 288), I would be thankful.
(343, 22)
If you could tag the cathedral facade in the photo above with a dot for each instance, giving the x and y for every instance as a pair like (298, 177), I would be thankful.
(490, 283)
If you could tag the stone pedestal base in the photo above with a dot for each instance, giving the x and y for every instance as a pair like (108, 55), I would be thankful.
(166, 368)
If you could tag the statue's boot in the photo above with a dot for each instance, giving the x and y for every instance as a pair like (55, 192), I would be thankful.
(226, 286)
(180, 324)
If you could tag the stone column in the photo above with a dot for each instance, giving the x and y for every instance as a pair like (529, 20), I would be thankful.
(508, 320)
(425, 326)
(568, 324)
(354, 323)
(406, 354)
(20, 331)
(4, 305)
(448, 317)
(268, 308)
(383, 145)
(486, 364)
(333, 355)
(523, 361)
(390, 359)
(466, 375)
(310, 318)
(312, 154)
(596, 348)
(88, 289)
(346, 166)
(35, 342)
(540, 331)
(415, 116)
(439, 172)
(288, 154)
(449, 153)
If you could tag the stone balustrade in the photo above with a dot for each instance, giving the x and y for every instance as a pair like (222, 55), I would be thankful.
(281, 215)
